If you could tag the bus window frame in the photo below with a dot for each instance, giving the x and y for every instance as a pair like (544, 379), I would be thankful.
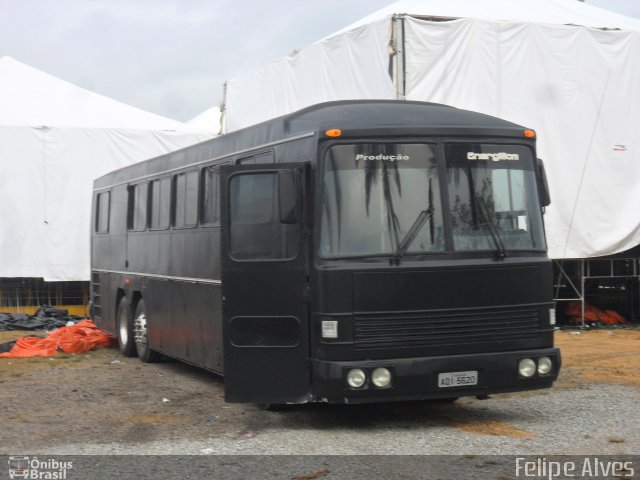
(150, 204)
(201, 206)
(271, 169)
(98, 212)
(131, 208)
(174, 199)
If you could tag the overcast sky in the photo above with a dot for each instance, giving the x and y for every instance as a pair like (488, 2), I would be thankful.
(170, 57)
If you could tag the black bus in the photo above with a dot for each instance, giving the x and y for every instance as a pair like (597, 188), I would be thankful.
(353, 251)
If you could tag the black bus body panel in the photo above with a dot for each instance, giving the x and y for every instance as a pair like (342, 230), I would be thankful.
(488, 307)
(417, 378)
(265, 316)
(419, 320)
(460, 312)
(175, 272)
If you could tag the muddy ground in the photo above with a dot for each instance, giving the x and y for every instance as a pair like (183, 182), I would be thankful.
(102, 397)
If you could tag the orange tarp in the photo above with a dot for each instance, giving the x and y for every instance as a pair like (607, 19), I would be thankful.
(79, 338)
(593, 314)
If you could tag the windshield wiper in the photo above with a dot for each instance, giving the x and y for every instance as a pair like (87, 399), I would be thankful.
(501, 251)
(411, 235)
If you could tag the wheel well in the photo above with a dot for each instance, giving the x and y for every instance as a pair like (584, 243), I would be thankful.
(134, 301)
(119, 294)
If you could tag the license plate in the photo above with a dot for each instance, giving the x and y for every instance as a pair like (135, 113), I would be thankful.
(457, 379)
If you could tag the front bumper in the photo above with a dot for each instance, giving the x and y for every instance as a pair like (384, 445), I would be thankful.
(417, 378)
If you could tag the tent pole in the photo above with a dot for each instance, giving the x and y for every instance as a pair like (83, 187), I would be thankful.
(399, 59)
(223, 109)
(582, 265)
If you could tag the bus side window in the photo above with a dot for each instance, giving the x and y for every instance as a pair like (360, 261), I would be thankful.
(256, 232)
(137, 207)
(102, 212)
(160, 204)
(210, 197)
(185, 190)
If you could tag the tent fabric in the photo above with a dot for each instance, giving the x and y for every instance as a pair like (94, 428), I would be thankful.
(351, 66)
(51, 148)
(557, 12)
(207, 121)
(576, 86)
(34, 98)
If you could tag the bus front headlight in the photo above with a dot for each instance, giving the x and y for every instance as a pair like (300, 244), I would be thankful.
(381, 377)
(544, 365)
(356, 378)
(527, 367)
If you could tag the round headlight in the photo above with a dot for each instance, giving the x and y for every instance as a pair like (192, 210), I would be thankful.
(544, 365)
(356, 378)
(526, 367)
(381, 377)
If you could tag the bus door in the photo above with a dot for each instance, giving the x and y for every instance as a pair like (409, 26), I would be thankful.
(264, 284)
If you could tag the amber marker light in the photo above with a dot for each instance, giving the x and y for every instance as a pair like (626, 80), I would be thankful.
(127, 281)
(333, 132)
(530, 133)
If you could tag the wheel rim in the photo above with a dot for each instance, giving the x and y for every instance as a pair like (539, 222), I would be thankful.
(123, 327)
(140, 331)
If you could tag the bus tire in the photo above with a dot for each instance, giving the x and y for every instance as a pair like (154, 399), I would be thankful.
(124, 327)
(141, 334)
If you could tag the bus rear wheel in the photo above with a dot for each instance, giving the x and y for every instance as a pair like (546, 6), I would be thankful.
(141, 335)
(126, 343)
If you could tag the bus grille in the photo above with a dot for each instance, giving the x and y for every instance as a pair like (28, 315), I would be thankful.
(445, 327)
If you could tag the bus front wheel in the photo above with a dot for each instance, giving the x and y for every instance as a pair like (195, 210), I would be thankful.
(126, 343)
(141, 335)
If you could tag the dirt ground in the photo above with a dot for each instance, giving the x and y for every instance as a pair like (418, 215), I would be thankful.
(101, 396)
(607, 356)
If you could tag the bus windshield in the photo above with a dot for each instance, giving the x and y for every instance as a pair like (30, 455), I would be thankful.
(384, 199)
(374, 194)
(493, 198)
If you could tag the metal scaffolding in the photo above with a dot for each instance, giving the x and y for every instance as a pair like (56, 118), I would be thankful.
(18, 294)
(591, 269)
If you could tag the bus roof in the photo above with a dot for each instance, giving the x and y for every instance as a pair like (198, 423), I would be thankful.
(346, 114)
(362, 114)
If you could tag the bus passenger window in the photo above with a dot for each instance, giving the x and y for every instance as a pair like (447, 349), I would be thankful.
(255, 230)
(210, 195)
(160, 204)
(185, 205)
(137, 207)
(102, 212)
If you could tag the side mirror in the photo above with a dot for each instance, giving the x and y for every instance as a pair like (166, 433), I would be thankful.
(543, 186)
(288, 196)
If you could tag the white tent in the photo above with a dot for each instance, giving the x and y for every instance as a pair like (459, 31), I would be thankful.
(55, 138)
(208, 121)
(569, 70)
